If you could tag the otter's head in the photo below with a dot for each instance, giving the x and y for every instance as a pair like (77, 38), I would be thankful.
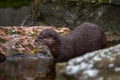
(49, 37)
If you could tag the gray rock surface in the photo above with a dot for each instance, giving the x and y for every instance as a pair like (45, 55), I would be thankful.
(99, 65)
(72, 13)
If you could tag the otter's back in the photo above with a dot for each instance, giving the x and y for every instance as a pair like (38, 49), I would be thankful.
(87, 37)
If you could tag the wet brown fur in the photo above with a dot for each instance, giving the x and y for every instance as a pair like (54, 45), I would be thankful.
(85, 38)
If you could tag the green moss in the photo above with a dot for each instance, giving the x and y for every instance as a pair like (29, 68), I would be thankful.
(112, 43)
(14, 3)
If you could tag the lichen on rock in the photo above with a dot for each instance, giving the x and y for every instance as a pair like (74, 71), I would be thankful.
(101, 64)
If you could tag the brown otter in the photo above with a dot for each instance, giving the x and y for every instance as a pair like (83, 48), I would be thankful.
(84, 38)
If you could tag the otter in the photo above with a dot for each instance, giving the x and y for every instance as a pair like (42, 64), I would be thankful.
(83, 39)
(2, 58)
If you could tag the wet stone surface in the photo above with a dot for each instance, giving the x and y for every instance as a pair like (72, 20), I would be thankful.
(99, 65)
(27, 67)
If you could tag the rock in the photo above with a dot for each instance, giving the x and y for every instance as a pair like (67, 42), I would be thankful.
(2, 58)
(99, 65)
(116, 2)
(27, 67)
(72, 13)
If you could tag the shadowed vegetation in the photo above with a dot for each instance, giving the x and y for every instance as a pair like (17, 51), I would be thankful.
(14, 3)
